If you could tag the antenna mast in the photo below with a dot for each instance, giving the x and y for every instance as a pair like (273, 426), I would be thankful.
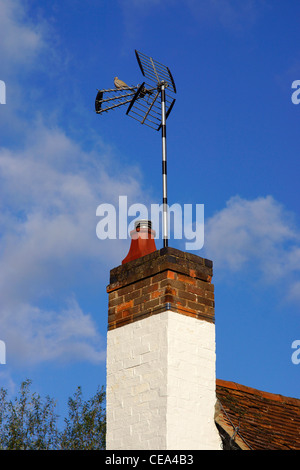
(164, 164)
(144, 107)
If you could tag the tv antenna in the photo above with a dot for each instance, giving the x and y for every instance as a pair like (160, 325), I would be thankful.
(145, 106)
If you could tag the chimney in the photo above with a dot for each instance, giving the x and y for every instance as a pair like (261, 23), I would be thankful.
(161, 383)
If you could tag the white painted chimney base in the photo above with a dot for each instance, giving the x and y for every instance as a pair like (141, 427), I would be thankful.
(161, 384)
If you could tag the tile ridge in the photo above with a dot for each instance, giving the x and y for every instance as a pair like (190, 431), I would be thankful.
(257, 392)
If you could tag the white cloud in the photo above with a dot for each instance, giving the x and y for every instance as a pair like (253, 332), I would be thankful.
(294, 291)
(48, 246)
(35, 335)
(20, 41)
(258, 235)
(50, 188)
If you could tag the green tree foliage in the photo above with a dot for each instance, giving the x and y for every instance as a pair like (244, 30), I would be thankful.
(30, 423)
(85, 427)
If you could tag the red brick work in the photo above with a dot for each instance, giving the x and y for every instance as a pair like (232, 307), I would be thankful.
(167, 279)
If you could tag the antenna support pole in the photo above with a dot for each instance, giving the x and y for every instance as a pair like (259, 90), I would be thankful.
(164, 163)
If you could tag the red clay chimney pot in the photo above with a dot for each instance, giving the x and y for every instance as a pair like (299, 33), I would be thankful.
(142, 240)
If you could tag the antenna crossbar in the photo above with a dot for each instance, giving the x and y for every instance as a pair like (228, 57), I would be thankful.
(112, 107)
(113, 98)
(119, 96)
(116, 90)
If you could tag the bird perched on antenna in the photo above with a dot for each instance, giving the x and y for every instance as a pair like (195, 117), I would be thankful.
(119, 83)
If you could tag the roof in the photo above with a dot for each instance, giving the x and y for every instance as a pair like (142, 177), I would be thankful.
(250, 419)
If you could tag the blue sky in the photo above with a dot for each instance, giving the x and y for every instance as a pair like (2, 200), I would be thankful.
(233, 145)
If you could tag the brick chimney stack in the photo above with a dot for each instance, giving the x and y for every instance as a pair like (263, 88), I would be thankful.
(161, 354)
